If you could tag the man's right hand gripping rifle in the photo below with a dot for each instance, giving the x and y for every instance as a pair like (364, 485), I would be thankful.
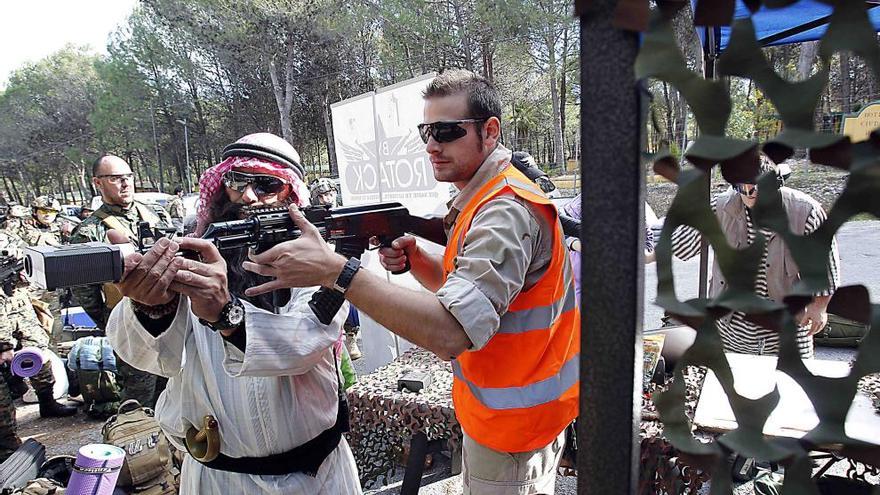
(156, 278)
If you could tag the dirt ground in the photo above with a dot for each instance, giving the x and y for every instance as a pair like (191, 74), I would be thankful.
(60, 435)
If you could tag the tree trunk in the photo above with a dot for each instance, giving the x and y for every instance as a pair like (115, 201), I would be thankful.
(8, 189)
(328, 134)
(806, 57)
(61, 184)
(488, 53)
(284, 94)
(845, 83)
(146, 166)
(463, 36)
(670, 132)
(562, 80)
(15, 191)
(558, 158)
(83, 183)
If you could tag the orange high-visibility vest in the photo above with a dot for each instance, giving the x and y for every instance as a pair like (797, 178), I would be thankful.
(520, 390)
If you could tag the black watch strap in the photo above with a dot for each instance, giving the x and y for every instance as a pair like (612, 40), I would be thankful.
(223, 323)
(347, 275)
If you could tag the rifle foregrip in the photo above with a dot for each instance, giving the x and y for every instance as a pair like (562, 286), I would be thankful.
(325, 304)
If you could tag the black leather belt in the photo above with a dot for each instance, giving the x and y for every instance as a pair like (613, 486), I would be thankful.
(306, 458)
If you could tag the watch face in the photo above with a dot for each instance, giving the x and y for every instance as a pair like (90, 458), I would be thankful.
(236, 314)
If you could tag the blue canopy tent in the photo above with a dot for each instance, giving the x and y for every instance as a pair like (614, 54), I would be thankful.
(801, 21)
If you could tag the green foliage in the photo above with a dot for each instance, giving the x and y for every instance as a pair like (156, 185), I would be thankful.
(230, 67)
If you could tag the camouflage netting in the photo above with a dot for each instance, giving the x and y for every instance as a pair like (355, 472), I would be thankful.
(383, 419)
(851, 31)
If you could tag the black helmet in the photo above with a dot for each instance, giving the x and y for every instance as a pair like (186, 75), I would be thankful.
(58, 468)
(525, 163)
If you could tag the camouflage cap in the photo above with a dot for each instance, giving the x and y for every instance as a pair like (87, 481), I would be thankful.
(321, 186)
(46, 202)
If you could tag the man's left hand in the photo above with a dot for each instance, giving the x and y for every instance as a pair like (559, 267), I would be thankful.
(814, 317)
(204, 282)
(305, 262)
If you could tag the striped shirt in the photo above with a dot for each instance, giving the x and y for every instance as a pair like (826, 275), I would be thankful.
(738, 333)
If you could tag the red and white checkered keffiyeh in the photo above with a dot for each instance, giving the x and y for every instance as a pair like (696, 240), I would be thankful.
(211, 184)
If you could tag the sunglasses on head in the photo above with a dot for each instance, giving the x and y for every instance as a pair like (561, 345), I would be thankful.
(263, 184)
(746, 189)
(445, 131)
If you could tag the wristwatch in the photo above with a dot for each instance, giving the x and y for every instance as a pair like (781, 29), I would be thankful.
(347, 275)
(231, 316)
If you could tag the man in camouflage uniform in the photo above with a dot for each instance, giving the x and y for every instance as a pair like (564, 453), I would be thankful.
(86, 211)
(19, 328)
(113, 178)
(176, 209)
(15, 217)
(43, 228)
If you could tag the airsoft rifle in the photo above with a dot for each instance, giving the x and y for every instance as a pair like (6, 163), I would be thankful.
(350, 229)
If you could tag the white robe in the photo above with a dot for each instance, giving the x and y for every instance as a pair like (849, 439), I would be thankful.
(277, 395)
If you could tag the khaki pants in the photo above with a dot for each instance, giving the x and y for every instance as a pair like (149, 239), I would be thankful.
(489, 472)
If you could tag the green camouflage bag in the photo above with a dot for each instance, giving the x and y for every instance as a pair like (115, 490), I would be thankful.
(100, 393)
(148, 467)
(841, 332)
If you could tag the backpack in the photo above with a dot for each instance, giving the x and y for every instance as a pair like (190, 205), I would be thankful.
(841, 332)
(91, 354)
(148, 467)
(93, 361)
(21, 466)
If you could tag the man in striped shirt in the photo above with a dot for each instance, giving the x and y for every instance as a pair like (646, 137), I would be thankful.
(777, 272)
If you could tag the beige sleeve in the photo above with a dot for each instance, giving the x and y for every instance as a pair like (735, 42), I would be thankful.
(501, 248)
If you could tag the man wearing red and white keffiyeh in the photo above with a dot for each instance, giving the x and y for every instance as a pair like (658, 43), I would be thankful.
(265, 374)
(211, 183)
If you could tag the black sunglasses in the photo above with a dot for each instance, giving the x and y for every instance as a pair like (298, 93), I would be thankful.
(445, 131)
(263, 184)
(741, 188)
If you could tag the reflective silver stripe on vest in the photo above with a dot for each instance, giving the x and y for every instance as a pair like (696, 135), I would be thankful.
(538, 393)
(538, 318)
(528, 186)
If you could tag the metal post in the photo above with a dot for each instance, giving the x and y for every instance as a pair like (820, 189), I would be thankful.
(612, 272)
(710, 54)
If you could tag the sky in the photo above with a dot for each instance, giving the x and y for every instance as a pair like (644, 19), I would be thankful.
(33, 29)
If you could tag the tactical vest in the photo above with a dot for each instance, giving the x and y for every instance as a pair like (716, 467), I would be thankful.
(520, 390)
(782, 271)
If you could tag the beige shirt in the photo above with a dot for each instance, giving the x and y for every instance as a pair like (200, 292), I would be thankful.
(507, 249)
